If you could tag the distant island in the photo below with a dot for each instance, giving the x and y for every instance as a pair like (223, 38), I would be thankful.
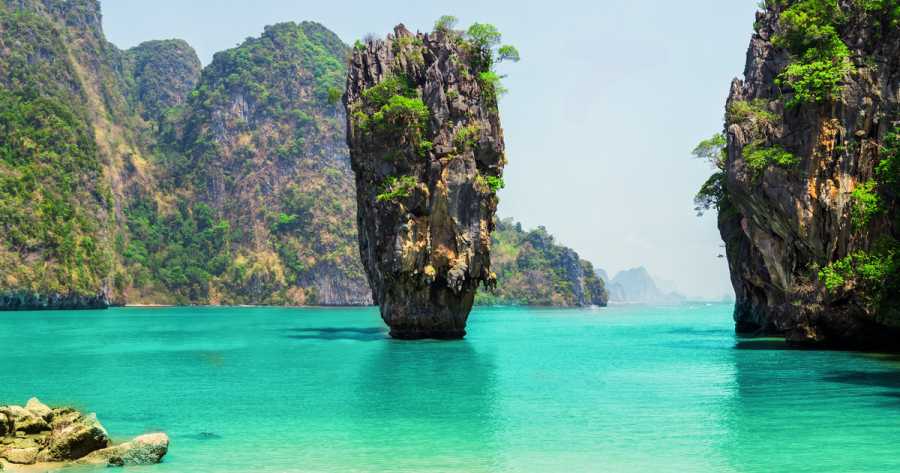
(637, 286)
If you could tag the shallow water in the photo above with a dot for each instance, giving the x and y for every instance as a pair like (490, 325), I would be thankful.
(625, 389)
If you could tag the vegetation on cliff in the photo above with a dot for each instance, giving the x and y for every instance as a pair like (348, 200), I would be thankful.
(807, 176)
(263, 213)
(163, 73)
(128, 176)
(54, 203)
(876, 270)
(532, 269)
(427, 149)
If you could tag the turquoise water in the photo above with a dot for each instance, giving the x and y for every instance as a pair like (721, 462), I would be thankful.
(624, 389)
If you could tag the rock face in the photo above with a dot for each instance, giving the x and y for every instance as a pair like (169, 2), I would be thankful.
(532, 269)
(428, 153)
(264, 133)
(54, 208)
(38, 434)
(18, 300)
(144, 450)
(155, 185)
(165, 73)
(808, 210)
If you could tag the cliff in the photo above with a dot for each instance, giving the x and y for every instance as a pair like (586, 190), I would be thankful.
(428, 153)
(532, 269)
(807, 192)
(129, 178)
(163, 73)
(259, 201)
(59, 165)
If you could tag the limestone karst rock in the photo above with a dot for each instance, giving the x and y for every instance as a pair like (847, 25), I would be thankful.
(427, 149)
(144, 450)
(159, 184)
(809, 204)
(37, 434)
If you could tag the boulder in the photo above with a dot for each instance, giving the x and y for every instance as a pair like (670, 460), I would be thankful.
(37, 434)
(34, 441)
(21, 456)
(144, 450)
(74, 435)
(39, 409)
(24, 420)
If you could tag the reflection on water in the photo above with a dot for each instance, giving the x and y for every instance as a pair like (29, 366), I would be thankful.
(429, 396)
(885, 379)
(360, 334)
(799, 410)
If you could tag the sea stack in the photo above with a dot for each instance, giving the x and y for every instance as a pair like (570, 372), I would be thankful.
(427, 149)
(808, 193)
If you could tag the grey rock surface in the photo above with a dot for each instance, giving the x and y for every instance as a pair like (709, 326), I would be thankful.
(425, 247)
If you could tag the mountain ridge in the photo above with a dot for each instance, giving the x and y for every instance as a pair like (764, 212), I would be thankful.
(167, 182)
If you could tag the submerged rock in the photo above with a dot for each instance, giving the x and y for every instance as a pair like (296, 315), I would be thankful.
(427, 149)
(37, 433)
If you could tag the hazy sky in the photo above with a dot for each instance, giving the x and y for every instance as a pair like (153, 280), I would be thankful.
(603, 111)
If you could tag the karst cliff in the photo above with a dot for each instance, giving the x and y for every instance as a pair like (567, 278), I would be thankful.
(427, 149)
(807, 193)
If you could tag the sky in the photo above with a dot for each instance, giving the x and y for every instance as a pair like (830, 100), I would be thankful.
(603, 109)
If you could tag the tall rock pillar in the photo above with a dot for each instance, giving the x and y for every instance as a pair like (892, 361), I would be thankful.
(427, 149)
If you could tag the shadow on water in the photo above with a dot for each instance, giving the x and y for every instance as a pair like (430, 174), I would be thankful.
(699, 331)
(888, 380)
(202, 436)
(440, 396)
(764, 344)
(361, 334)
(884, 379)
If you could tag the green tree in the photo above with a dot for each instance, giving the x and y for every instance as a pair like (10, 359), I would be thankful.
(712, 192)
(446, 24)
(713, 150)
(485, 41)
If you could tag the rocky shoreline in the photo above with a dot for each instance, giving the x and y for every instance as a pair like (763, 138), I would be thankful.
(37, 435)
(24, 300)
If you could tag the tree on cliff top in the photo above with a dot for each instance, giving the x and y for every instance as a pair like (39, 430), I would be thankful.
(485, 44)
